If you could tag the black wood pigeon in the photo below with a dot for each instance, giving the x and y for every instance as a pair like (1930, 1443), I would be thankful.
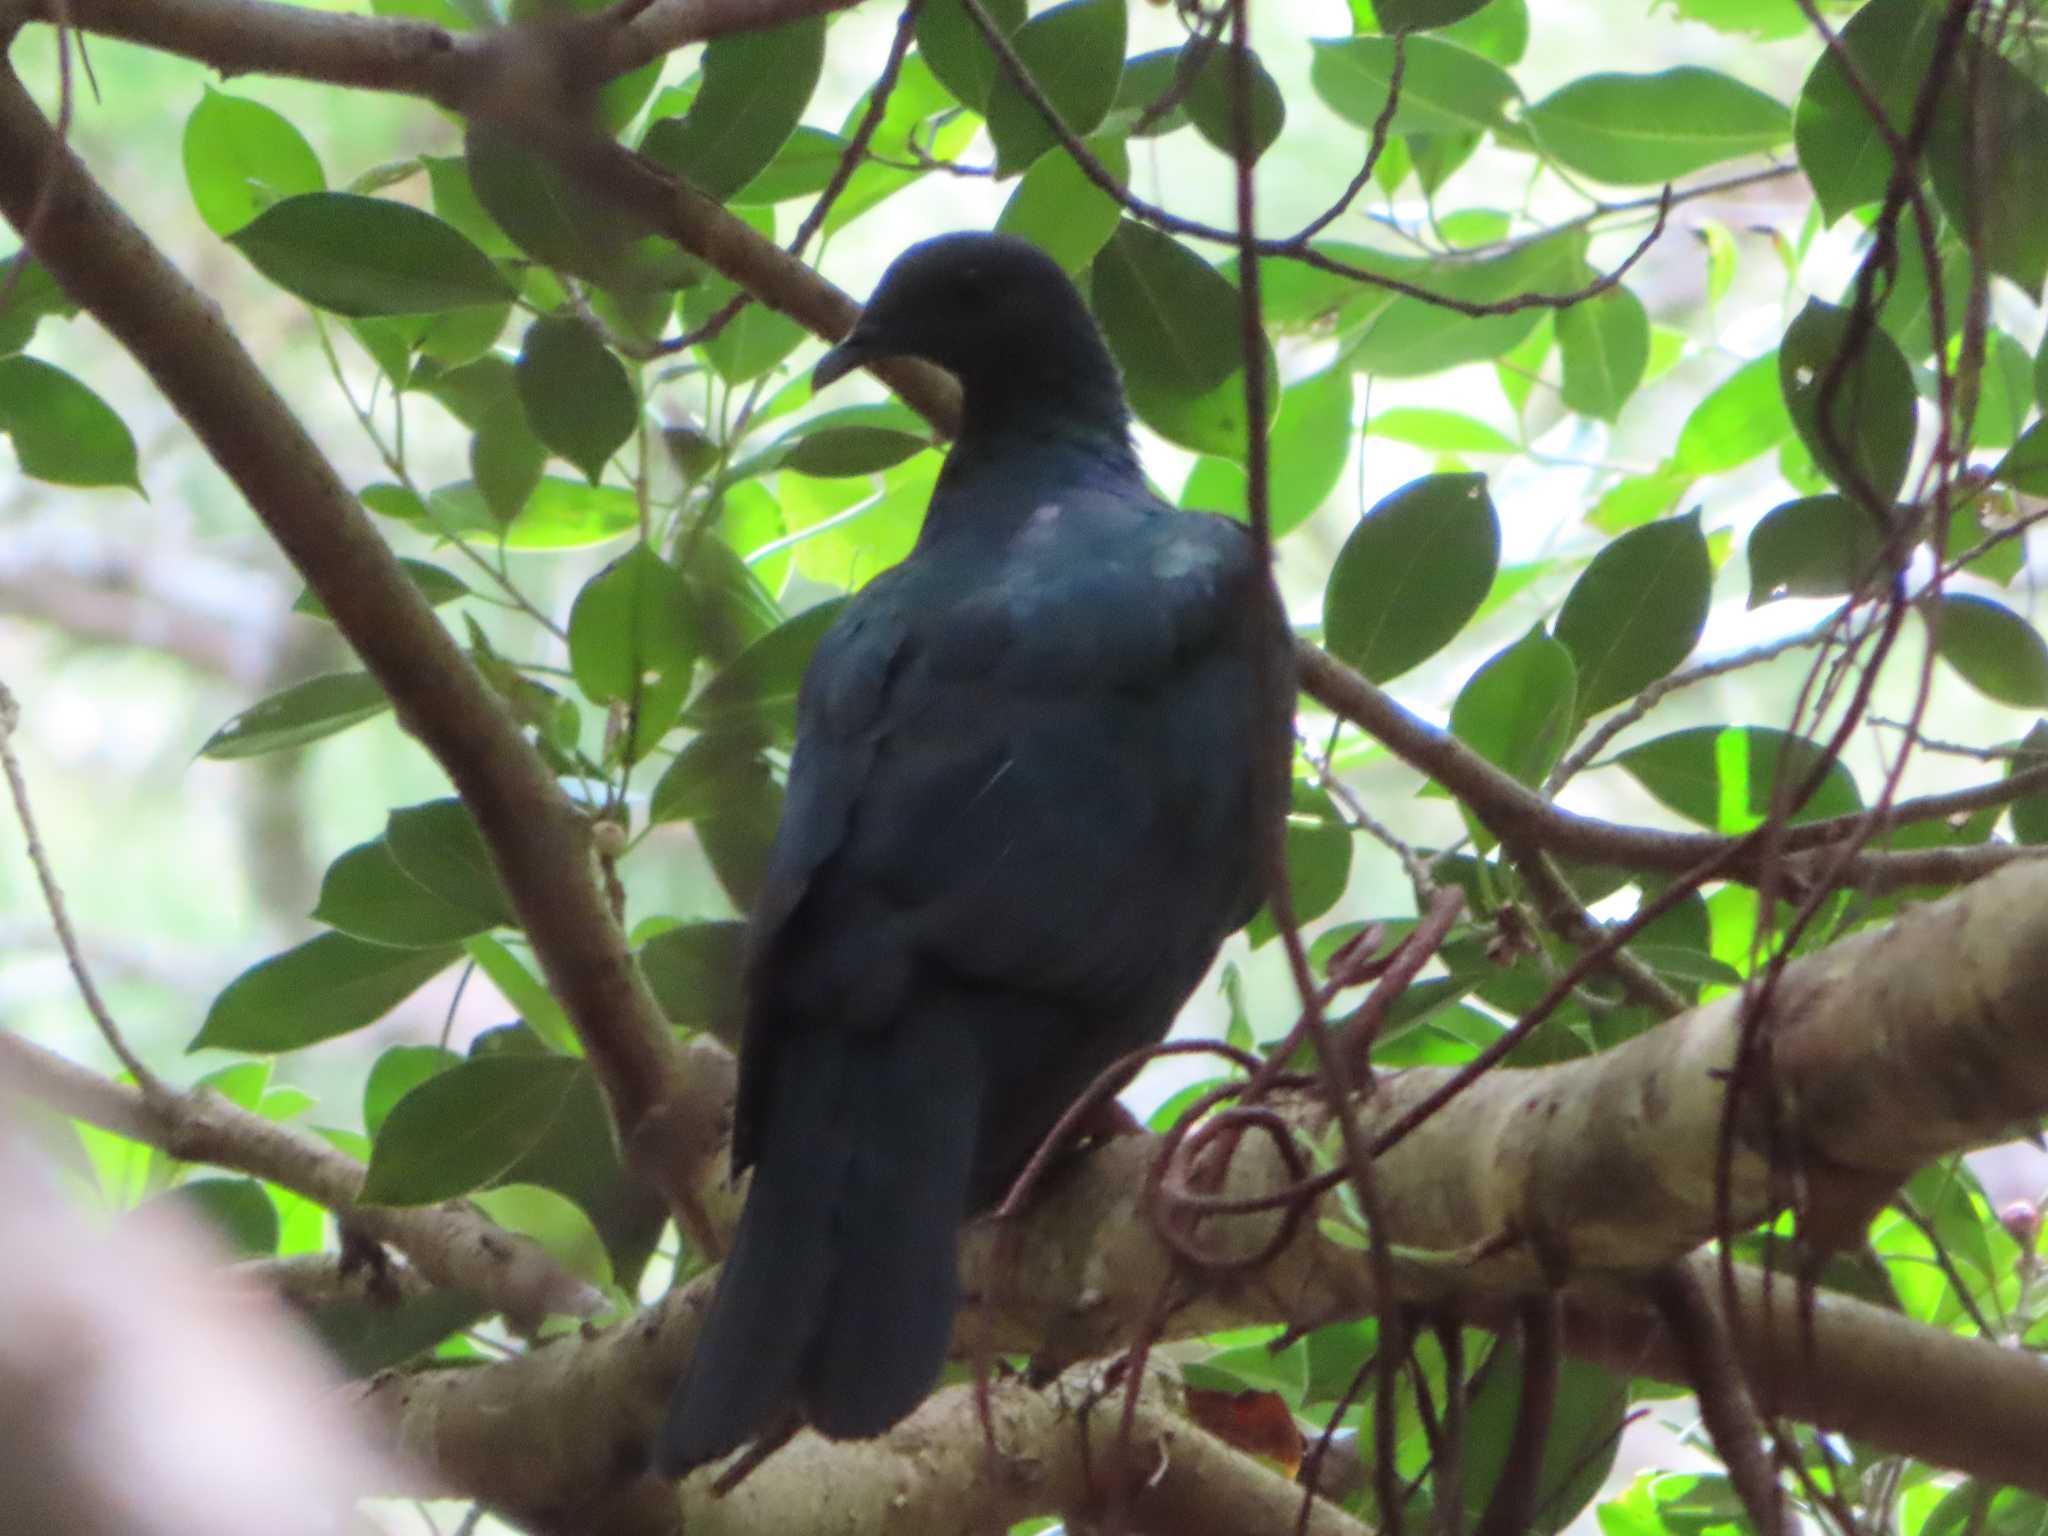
(1023, 812)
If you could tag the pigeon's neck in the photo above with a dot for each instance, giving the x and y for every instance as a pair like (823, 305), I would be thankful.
(1070, 407)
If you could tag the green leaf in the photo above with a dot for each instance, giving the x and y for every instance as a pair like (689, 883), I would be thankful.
(62, 431)
(1318, 861)
(240, 157)
(1075, 52)
(527, 994)
(1605, 342)
(757, 690)
(239, 1213)
(304, 712)
(835, 451)
(956, 50)
(367, 895)
(1889, 44)
(579, 399)
(1743, 418)
(721, 783)
(561, 224)
(1440, 431)
(463, 1128)
(1423, 15)
(1637, 611)
(396, 1073)
(1724, 777)
(1311, 444)
(1171, 319)
(1854, 411)
(2030, 815)
(324, 987)
(1986, 166)
(632, 640)
(368, 256)
(31, 294)
(1444, 88)
(439, 845)
(433, 583)
(1211, 104)
(1410, 337)
(1517, 709)
(1638, 129)
(801, 168)
(506, 459)
(695, 974)
(1997, 652)
(755, 339)
(1058, 209)
(560, 514)
(755, 87)
(1818, 546)
(1586, 1418)
(1412, 573)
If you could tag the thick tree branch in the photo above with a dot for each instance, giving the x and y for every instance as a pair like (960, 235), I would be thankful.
(453, 1244)
(538, 840)
(1893, 1047)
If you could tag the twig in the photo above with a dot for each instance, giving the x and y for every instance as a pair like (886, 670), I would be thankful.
(151, 1086)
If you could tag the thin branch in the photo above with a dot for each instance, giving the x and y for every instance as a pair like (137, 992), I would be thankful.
(150, 1085)
(454, 1245)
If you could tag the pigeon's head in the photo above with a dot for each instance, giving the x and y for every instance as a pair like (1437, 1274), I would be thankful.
(997, 313)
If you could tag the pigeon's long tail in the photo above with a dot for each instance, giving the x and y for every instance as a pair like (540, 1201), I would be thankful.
(837, 1299)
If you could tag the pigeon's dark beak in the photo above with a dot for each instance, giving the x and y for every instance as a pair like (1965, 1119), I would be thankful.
(860, 347)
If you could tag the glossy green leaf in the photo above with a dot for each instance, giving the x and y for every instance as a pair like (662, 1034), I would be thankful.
(559, 514)
(1742, 418)
(803, 167)
(368, 256)
(1310, 445)
(1854, 410)
(1422, 15)
(563, 225)
(1817, 546)
(1725, 777)
(1075, 52)
(526, 992)
(506, 458)
(459, 1130)
(395, 1073)
(757, 690)
(1171, 319)
(1518, 709)
(2030, 815)
(1637, 611)
(366, 895)
(240, 157)
(31, 294)
(1889, 44)
(324, 987)
(238, 1212)
(830, 452)
(1148, 77)
(1318, 861)
(1634, 130)
(439, 845)
(579, 399)
(1058, 209)
(436, 585)
(304, 712)
(1444, 88)
(956, 50)
(755, 87)
(1411, 574)
(695, 974)
(63, 432)
(1439, 431)
(1997, 652)
(632, 641)
(1605, 342)
(1211, 104)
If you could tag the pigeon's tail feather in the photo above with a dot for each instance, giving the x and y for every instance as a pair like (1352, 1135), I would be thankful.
(743, 1376)
(889, 1321)
(838, 1297)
